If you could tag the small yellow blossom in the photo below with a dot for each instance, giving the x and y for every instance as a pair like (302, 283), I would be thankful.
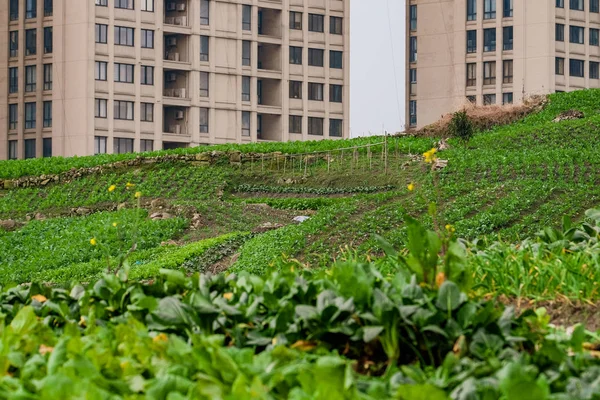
(45, 349)
(440, 279)
(93, 241)
(138, 195)
(430, 155)
(161, 337)
(274, 341)
(82, 321)
(129, 185)
(450, 228)
(39, 297)
(228, 296)
(114, 224)
(411, 187)
(112, 188)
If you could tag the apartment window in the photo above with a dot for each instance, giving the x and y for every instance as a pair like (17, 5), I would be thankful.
(13, 116)
(489, 9)
(594, 37)
(413, 49)
(412, 75)
(413, 18)
(147, 112)
(102, 3)
(147, 39)
(560, 3)
(336, 25)
(472, 41)
(559, 32)
(295, 55)
(13, 44)
(489, 99)
(594, 69)
(315, 91)
(29, 148)
(335, 59)
(412, 113)
(315, 126)
(100, 107)
(489, 39)
(471, 74)
(204, 121)
(507, 8)
(335, 127)
(30, 78)
(122, 145)
(594, 6)
(246, 18)
(47, 147)
(14, 10)
(471, 10)
(576, 68)
(101, 33)
(13, 77)
(30, 9)
(47, 76)
(576, 5)
(146, 145)
(246, 88)
(123, 110)
(30, 115)
(127, 4)
(123, 36)
(315, 57)
(48, 40)
(295, 89)
(147, 5)
(335, 93)
(315, 22)
(204, 84)
(100, 144)
(147, 75)
(204, 48)
(124, 73)
(245, 123)
(507, 71)
(507, 38)
(12, 150)
(295, 124)
(559, 66)
(295, 20)
(30, 42)
(489, 73)
(47, 122)
(576, 34)
(246, 53)
(204, 12)
(101, 67)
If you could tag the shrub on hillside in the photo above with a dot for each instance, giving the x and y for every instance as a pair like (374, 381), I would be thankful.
(461, 127)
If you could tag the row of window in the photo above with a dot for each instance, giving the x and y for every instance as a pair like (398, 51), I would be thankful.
(489, 73)
(577, 34)
(578, 5)
(121, 145)
(577, 68)
(30, 42)
(30, 78)
(30, 148)
(489, 9)
(30, 115)
(30, 9)
(315, 91)
(489, 39)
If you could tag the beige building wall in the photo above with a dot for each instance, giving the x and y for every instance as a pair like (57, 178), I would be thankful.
(187, 88)
(443, 59)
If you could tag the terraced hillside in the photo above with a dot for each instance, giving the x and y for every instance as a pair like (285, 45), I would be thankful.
(327, 270)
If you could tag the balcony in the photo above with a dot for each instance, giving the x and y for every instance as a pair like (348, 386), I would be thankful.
(176, 120)
(269, 22)
(269, 92)
(176, 48)
(268, 127)
(176, 13)
(269, 57)
(176, 87)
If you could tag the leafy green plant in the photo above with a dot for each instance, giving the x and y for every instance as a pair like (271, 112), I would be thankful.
(461, 127)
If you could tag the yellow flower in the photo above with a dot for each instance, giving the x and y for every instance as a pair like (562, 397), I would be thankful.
(112, 188)
(114, 224)
(93, 241)
(161, 337)
(430, 155)
(228, 296)
(450, 228)
(138, 195)
(411, 187)
(82, 321)
(45, 349)
(129, 185)
(39, 297)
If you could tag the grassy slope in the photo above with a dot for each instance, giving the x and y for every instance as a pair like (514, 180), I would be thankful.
(511, 181)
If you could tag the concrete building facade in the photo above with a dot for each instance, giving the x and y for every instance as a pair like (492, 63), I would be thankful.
(82, 77)
(496, 52)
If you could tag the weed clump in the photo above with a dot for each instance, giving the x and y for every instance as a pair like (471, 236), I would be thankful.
(461, 127)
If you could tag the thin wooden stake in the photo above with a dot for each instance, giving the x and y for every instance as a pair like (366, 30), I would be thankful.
(262, 162)
(328, 160)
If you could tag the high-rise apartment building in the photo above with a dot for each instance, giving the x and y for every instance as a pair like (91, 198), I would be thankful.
(496, 52)
(81, 77)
